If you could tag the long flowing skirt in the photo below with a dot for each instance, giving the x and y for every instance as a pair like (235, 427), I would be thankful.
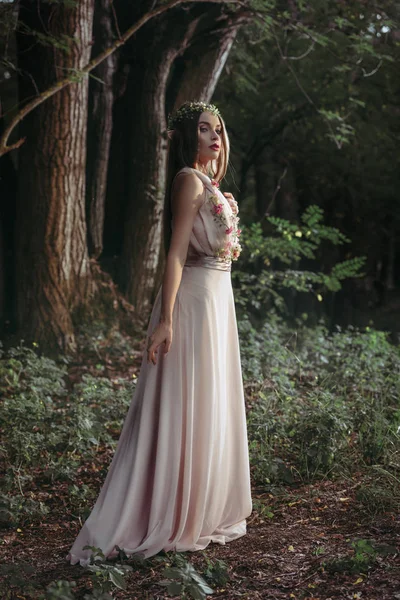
(179, 478)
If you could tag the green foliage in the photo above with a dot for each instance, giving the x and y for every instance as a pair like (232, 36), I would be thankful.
(22, 369)
(315, 92)
(182, 579)
(380, 490)
(321, 431)
(81, 498)
(321, 402)
(31, 382)
(290, 243)
(61, 41)
(340, 132)
(216, 571)
(62, 590)
(48, 427)
(15, 509)
(363, 556)
(262, 508)
(105, 576)
(257, 346)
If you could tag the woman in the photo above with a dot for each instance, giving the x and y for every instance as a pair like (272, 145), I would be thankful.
(179, 478)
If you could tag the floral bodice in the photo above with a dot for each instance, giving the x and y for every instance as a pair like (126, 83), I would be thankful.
(215, 232)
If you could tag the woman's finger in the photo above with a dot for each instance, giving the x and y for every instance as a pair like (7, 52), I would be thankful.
(229, 196)
(234, 206)
(152, 351)
(167, 346)
(232, 202)
(152, 354)
(155, 340)
(154, 358)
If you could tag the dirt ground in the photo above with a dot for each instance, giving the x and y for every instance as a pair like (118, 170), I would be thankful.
(305, 550)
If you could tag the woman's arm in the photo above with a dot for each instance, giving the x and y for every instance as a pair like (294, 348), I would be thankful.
(186, 199)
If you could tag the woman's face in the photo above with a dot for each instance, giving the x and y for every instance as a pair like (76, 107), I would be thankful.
(210, 140)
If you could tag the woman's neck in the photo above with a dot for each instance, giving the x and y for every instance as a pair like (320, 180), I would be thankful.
(204, 168)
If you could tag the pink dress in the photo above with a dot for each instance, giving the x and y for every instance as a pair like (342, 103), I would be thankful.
(179, 478)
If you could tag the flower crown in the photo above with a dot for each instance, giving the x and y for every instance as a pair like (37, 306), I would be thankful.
(189, 110)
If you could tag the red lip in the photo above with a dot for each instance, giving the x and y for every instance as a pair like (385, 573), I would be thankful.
(215, 147)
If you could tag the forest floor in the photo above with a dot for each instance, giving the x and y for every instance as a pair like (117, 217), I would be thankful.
(306, 541)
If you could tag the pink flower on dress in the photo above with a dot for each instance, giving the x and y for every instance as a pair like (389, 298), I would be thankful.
(238, 232)
(217, 209)
(236, 251)
(229, 230)
(223, 253)
(215, 183)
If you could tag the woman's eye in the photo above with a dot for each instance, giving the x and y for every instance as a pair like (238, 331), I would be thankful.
(203, 129)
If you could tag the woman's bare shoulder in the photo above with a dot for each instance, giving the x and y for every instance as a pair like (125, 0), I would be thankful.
(187, 186)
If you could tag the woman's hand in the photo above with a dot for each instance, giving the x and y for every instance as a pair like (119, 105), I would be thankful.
(162, 333)
(232, 202)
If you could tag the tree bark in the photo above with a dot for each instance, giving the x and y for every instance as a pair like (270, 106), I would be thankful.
(53, 269)
(101, 98)
(84, 70)
(8, 174)
(198, 69)
(202, 41)
(8, 186)
(154, 51)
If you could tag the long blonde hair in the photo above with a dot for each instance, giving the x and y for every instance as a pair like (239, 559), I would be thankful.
(182, 152)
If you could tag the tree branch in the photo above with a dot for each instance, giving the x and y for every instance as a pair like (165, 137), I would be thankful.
(62, 83)
(304, 92)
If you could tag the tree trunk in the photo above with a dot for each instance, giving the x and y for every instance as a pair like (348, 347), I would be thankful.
(53, 269)
(147, 160)
(8, 173)
(202, 40)
(119, 164)
(197, 71)
(101, 99)
(8, 185)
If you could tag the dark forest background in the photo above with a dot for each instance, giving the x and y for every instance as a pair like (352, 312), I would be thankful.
(310, 95)
(310, 92)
